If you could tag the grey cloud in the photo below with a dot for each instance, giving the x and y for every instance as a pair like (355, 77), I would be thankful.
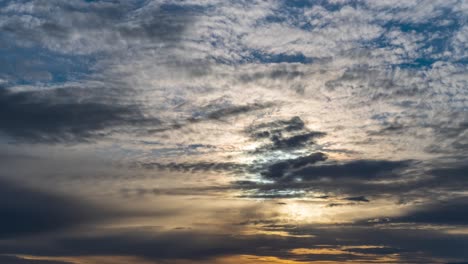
(358, 170)
(273, 195)
(213, 112)
(266, 129)
(376, 250)
(178, 244)
(350, 179)
(5, 259)
(446, 177)
(412, 245)
(392, 129)
(26, 211)
(295, 141)
(88, 27)
(162, 26)
(450, 212)
(50, 116)
(279, 170)
(455, 171)
(283, 168)
(357, 199)
(283, 73)
(399, 78)
(225, 112)
(194, 191)
(404, 180)
(406, 240)
(283, 134)
(197, 167)
(340, 204)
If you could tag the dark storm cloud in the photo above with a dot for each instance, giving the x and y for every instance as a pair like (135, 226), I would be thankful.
(25, 211)
(51, 116)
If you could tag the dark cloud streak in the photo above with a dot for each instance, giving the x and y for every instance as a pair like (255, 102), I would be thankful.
(29, 116)
(26, 211)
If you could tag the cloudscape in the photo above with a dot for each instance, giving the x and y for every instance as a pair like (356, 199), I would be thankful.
(226, 132)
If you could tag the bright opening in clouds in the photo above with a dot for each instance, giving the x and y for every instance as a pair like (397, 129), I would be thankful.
(226, 132)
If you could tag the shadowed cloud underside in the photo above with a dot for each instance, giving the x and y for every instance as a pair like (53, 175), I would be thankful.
(186, 132)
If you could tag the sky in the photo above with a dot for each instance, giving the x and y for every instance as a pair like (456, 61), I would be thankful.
(233, 131)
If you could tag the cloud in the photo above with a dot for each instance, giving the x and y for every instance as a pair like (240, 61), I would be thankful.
(284, 134)
(53, 116)
(89, 27)
(294, 141)
(358, 170)
(267, 129)
(164, 246)
(447, 212)
(357, 199)
(305, 105)
(454, 172)
(236, 110)
(18, 260)
(198, 167)
(284, 168)
(188, 245)
(26, 211)
(214, 111)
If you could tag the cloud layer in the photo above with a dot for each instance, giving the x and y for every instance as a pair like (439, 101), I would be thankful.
(233, 131)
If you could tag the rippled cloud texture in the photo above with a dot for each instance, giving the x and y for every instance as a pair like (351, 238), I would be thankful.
(189, 131)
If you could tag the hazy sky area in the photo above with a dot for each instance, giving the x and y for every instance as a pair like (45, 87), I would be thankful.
(234, 132)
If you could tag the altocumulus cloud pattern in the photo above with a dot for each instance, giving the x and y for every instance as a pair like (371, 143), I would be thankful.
(219, 131)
